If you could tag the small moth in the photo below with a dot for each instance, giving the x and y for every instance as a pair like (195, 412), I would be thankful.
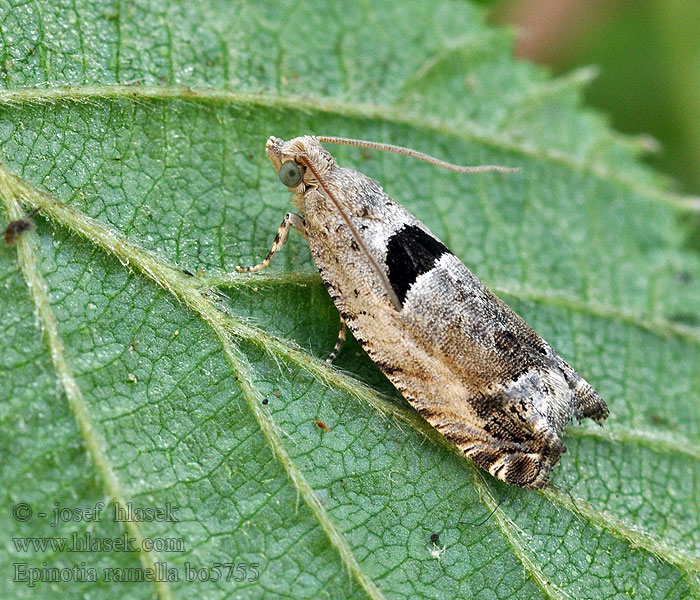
(463, 359)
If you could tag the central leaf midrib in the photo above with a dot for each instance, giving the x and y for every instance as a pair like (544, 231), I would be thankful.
(76, 401)
(165, 276)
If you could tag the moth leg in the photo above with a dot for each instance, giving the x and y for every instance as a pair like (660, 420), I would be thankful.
(339, 342)
(290, 220)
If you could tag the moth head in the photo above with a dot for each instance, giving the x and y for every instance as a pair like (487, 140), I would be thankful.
(291, 159)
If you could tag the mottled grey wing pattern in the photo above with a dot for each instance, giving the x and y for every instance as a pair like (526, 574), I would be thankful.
(521, 393)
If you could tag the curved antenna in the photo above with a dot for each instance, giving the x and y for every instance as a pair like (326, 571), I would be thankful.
(415, 154)
(386, 284)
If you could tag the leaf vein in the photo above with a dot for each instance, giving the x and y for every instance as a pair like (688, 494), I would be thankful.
(190, 291)
(508, 528)
(91, 438)
(659, 327)
(187, 292)
(469, 131)
(254, 399)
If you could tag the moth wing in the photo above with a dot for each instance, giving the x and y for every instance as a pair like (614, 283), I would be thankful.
(477, 331)
(520, 393)
(474, 369)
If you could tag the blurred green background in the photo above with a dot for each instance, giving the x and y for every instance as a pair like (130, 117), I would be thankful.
(648, 56)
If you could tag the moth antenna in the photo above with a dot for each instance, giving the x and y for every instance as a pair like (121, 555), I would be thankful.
(415, 154)
(355, 234)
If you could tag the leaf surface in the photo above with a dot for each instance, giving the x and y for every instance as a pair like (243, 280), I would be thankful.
(138, 129)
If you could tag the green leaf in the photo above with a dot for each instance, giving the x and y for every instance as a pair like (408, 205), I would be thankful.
(138, 129)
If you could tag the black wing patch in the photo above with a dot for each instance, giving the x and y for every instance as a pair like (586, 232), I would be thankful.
(410, 253)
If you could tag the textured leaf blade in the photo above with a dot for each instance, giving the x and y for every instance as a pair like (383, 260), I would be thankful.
(173, 386)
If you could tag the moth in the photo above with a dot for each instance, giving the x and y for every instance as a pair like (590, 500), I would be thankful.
(474, 369)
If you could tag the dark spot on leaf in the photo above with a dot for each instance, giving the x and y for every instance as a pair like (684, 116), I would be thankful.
(685, 318)
(16, 228)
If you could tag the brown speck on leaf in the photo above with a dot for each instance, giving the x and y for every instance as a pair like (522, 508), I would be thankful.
(322, 425)
(16, 228)
(661, 421)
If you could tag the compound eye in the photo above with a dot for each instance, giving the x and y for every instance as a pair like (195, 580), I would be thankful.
(290, 174)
